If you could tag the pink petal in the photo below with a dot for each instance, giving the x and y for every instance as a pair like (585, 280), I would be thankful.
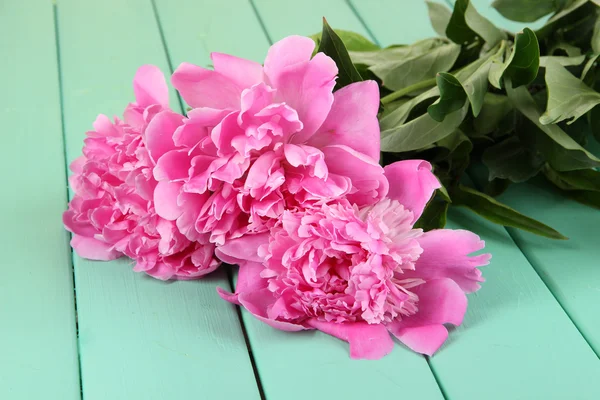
(235, 251)
(150, 87)
(426, 339)
(441, 301)
(165, 200)
(244, 73)
(366, 341)
(201, 87)
(173, 166)
(307, 88)
(159, 133)
(288, 51)
(368, 179)
(411, 183)
(352, 120)
(446, 255)
(93, 249)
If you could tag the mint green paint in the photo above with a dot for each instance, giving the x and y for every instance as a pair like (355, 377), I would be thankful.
(139, 338)
(284, 18)
(145, 339)
(38, 344)
(286, 360)
(516, 341)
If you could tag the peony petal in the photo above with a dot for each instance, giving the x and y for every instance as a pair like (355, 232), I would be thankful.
(242, 249)
(288, 51)
(202, 87)
(441, 301)
(93, 249)
(352, 120)
(425, 339)
(368, 179)
(411, 183)
(244, 73)
(446, 255)
(366, 341)
(307, 88)
(159, 133)
(150, 87)
(165, 200)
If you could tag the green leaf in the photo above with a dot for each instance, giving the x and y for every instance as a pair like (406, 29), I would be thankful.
(421, 132)
(569, 98)
(434, 216)
(524, 60)
(594, 121)
(439, 15)
(332, 45)
(466, 25)
(591, 199)
(495, 107)
(397, 53)
(562, 60)
(352, 40)
(595, 43)
(585, 179)
(560, 150)
(588, 66)
(400, 73)
(455, 149)
(526, 10)
(511, 160)
(400, 114)
(499, 213)
(452, 97)
(572, 12)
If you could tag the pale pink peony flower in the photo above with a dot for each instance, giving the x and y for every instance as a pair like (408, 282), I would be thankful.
(360, 273)
(261, 140)
(112, 212)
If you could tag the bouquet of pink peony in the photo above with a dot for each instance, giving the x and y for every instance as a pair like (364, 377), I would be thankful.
(275, 168)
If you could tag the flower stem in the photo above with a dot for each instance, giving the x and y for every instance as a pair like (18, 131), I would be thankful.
(409, 89)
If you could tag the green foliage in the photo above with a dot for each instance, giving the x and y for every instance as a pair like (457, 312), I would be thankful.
(476, 95)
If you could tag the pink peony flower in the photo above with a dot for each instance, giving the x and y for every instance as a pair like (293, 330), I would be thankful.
(112, 212)
(358, 273)
(261, 140)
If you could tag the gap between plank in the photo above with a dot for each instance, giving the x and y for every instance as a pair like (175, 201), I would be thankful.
(362, 22)
(66, 175)
(166, 49)
(261, 22)
(229, 273)
(510, 233)
(238, 311)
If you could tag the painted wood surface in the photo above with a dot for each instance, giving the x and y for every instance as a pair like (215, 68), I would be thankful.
(140, 338)
(514, 327)
(38, 344)
(570, 269)
(529, 333)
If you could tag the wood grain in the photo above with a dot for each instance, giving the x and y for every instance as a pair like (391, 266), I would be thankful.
(139, 338)
(38, 349)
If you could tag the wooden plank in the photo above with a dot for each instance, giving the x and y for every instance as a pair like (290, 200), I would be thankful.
(139, 338)
(38, 335)
(284, 18)
(307, 356)
(516, 341)
(314, 356)
(391, 22)
(570, 269)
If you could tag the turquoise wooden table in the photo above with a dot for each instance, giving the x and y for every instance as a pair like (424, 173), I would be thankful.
(75, 329)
